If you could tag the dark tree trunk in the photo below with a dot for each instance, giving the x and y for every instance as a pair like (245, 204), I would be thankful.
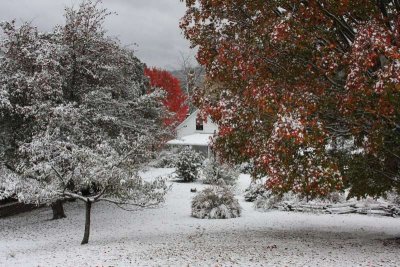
(58, 210)
(85, 239)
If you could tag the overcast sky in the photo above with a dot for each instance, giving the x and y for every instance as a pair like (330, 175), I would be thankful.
(151, 24)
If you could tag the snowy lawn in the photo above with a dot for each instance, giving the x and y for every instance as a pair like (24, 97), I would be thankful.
(168, 236)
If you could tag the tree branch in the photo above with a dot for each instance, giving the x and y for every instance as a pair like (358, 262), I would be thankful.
(59, 176)
(76, 196)
(348, 31)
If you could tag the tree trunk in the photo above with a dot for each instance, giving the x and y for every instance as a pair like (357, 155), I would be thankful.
(58, 210)
(85, 239)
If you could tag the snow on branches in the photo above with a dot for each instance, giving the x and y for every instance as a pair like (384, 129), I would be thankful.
(332, 65)
(76, 119)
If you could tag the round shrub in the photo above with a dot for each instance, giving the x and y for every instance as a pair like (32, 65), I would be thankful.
(166, 158)
(188, 164)
(267, 201)
(215, 203)
(253, 191)
(213, 171)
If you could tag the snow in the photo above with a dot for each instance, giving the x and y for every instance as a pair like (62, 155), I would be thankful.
(169, 236)
(192, 140)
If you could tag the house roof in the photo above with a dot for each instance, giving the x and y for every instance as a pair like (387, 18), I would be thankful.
(187, 119)
(193, 114)
(192, 140)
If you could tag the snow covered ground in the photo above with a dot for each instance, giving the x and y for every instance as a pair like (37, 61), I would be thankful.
(168, 236)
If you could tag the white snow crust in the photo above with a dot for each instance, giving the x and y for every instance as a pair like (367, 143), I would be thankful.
(169, 236)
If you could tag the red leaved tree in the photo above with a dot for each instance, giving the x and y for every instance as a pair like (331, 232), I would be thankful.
(308, 90)
(175, 100)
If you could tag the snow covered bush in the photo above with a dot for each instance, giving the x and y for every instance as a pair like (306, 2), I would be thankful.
(253, 191)
(262, 197)
(393, 197)
(335, 197)
(267, 201)
(213, 171)
(166, 158)
(188, 164)
(216, 202)
(246, 167)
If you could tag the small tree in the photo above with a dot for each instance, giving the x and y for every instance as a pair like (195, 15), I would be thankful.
(188, 164)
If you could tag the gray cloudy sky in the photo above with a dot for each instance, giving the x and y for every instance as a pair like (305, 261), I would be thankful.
(151, 24)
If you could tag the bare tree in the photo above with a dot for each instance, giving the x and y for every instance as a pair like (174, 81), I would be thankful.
(192, 76)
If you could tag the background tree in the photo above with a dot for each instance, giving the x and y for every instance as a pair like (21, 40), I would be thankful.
(88, 124)
(175, 100)
(192, 77)
(309, 90)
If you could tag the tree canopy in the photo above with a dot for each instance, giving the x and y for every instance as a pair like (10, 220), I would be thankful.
(175, 101)
(76, 121)
(309, 90)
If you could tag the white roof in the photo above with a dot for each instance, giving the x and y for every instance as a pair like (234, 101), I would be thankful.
(192, 140)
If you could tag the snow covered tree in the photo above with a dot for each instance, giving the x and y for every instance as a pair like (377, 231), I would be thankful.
(291, 81)
(175, 99)
(29, 82)
(85, 123)
(188, 164)
(213, 170)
